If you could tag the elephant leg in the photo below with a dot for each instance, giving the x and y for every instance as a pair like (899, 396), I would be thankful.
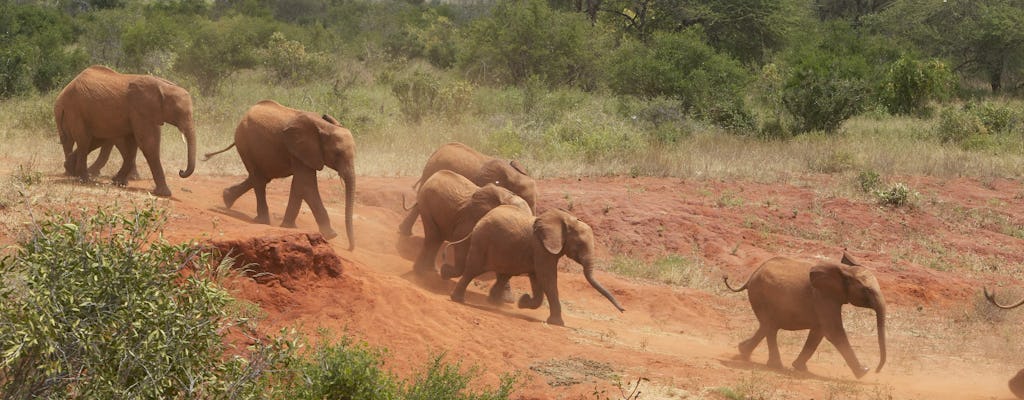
(838, 338)
(747, 346)
(80, 156)
(474, 267)
(461, 250)
(813, 340)
(534, 302)
(548, 278)
(774, 358)
(291, 212)
(128, 149)
(424, 264)
(232, 193)
(405, 228)
(259, 186)
(500, 289)
(149, 142)
(309, 189)
(101, 160)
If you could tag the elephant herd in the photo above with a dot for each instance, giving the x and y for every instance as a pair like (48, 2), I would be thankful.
(484, 207)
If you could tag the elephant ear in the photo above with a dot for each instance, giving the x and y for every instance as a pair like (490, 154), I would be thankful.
(830, 281)
(492, 171)
(145, 100)
(550, 229)
(302, 137)
(518, 167)
(847, 260)
(331, 120)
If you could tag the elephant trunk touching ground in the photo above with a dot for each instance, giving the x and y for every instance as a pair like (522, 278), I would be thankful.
(588, 272)
(188, 133)
(991, 296)
(348, 177)
(880, 321)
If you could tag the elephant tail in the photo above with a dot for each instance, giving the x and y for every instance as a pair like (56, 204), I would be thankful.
(444, 249)
(739, 289)
(991, 296)
(207, 156)
(404, 207)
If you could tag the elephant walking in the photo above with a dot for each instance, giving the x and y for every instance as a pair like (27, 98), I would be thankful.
(480, 169)
(275, 141)
(510, 242)
(796, 295)
(101, 107)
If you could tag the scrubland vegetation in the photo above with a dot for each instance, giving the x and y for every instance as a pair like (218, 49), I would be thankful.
(759, 90)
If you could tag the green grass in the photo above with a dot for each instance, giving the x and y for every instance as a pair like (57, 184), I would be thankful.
(673, 269)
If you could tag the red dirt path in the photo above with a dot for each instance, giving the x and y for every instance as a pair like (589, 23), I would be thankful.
(682, 339)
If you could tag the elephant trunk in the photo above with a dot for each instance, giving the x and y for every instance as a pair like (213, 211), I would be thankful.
(189, 134)
(588, 272)
(880, 320)
(348, 177)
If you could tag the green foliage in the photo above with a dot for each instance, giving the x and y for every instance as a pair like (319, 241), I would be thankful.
(446, 381)
(897, 195)
(36, 54)
(345, 370)
(527, 38)
(909, 84)
(219, 48)
(432, 37)
(288, 61)
(957, 125)
(673, 269)
(683, 66)
(93, 309)
(998, 117)
(868, 180)
(423, 92)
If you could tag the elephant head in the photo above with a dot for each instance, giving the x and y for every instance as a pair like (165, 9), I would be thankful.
(991, 296)
(511, 175)
(561, 233)
(319, 141)
(849, 283)
(155, 101)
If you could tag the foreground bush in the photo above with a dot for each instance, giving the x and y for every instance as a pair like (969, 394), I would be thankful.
(98, 308)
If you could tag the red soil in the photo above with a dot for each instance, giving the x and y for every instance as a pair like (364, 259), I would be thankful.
(677, 337)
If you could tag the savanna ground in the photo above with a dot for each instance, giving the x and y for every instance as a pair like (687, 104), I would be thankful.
(716, 205)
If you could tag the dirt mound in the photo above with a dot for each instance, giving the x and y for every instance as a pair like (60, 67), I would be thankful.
(289, 260)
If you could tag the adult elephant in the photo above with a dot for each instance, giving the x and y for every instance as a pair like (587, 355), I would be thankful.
(510, 242)
(275, 141)
(480, 169)
(101, 106)
(795, 295)
(1016, 383)
(450, 206)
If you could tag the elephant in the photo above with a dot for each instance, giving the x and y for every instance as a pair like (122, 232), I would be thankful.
(1016, 384)
(103, 107)
(479, 168)
(510, 242)
(275, 141)
(991, 296)
(97, 165)
(794, 295)
(450, 206)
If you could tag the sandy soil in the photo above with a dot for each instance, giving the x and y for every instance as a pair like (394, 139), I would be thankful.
(930, 259)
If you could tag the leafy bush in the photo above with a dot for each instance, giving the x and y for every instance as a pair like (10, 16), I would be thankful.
(909, 84)
(287, 61)
(681, 65)
(220, 48)
(35, 54)
(91, 309)
(897, 195)
(958, 125)
(422, 92)
(521, 39)
(432, 37)
(347, 369)
(998, 118)
(868, 180)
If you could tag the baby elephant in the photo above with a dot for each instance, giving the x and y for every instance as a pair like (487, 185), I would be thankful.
(795, 295)
(510, 242)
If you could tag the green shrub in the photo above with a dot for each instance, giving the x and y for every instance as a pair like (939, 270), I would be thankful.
(92, 309)
(868, 180)
(521, 39)
(897, 195)
(446, 381)
(422, 92)
(288, 61)
(998, 118)
(219, 48)
(432, 37)
(958, 126)
(36, 53)
(909, 84)
(345, 370)
(682, 66)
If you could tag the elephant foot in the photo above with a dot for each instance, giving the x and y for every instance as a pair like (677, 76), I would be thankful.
(118, 181)
(859, 372)
(775, 364)
(229, 200)
(328, 233)
(553, 320)
(289, 224)
(458, 298)
(262, 219)
(800, 366)
(527, 301)
(448, 271)
(162, 192)
(134, 176)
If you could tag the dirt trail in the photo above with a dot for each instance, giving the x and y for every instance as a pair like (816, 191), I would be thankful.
(682, 339)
